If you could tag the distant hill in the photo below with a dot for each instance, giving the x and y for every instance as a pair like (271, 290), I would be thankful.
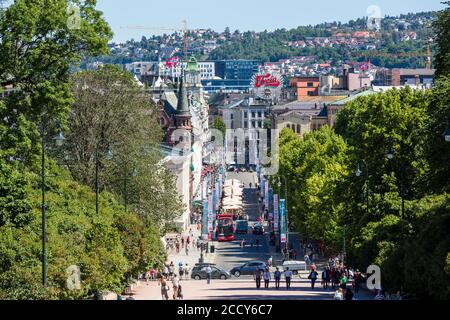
(401, 42)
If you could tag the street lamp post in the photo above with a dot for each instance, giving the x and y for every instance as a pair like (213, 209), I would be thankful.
(108, 156)
(390, 155)
(358, 174)
(125, 191)
(286, 202)
(59, 139)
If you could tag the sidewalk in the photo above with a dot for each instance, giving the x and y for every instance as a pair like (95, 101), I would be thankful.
(194, 253)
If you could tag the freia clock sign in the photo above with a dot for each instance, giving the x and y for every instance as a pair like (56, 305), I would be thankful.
(267, 86)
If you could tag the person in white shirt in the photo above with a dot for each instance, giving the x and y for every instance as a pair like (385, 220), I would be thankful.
(288, 276)
(339, 294)
(208, 270)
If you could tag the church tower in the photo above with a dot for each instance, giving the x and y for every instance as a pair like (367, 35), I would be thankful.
(183, 113)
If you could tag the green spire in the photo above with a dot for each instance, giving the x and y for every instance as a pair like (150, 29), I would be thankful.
(192, 65)
(183, 103)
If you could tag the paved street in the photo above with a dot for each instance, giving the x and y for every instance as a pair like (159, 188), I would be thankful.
(237, 289)
(229, 255)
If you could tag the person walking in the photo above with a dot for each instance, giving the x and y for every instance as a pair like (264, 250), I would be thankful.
(339, 294)
(257, 278)
(181, 272)
(267, 278)
(348, 294)
(175, 284)
(147, 276)
(165, 272)
(313, 277)
(357, 281)
(180, 292)
(288, 276)
(186, 271)
(171, 270)
(164, 288)
(208, 270)
(277, 276)
(187, 250)
(325, 278)
(270, 261)
(344, 281)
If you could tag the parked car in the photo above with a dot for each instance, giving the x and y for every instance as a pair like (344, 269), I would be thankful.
(295, 266)
(258, 229)
(248, 268)
(241, 227)
(199, 272)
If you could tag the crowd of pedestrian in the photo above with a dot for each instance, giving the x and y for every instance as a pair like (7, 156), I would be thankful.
(182, 243)
(266, 276)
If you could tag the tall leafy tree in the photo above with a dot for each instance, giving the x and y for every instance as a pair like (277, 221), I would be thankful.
(441, 28)
(314, 167)
(113, 112)
(39, 41)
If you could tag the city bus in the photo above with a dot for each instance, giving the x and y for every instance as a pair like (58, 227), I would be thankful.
(225, 228)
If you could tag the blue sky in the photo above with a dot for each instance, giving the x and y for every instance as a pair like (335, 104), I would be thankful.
(244, 15)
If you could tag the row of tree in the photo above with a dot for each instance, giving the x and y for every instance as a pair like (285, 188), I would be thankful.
(99, 111)
(377, 185)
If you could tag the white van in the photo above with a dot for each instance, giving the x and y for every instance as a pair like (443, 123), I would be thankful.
(295, 266)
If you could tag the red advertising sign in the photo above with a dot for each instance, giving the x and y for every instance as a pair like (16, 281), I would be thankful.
(266, 80)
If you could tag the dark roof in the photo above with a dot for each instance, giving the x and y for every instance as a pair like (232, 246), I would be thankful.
(183, 103)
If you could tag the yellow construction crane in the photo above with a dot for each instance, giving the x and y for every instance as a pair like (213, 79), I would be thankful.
(184, 30)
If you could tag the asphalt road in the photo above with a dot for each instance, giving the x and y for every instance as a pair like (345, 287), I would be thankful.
(230, 254)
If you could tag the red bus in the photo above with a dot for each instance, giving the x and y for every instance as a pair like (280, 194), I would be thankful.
(225, 228)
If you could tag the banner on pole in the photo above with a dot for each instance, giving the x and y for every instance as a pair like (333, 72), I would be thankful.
(210, 213)
(276, 213)
(283, 226)
(205, 219)
(270, 197)
(266, 194)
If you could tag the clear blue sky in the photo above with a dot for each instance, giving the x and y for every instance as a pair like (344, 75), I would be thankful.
(244, 15)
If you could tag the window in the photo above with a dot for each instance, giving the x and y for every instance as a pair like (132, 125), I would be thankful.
(310, 84)
(253, 124)
(259, 114)
(245, 114)
(245, 124)
(253, 114)
(232, 116)
(310, 93)
(259, 124)
(298, 129)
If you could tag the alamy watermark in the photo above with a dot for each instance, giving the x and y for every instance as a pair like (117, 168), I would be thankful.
(73, 281)
(74, 17)
(374, 18)
(238, 146)
(374, 277)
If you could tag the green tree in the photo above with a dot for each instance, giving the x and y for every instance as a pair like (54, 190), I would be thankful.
(112, 111)
(219, 125)
(441, 28)
(37, 48)
(437, 150)
(314, 166)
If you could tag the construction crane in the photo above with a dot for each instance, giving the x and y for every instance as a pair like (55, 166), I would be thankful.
(184, 30)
